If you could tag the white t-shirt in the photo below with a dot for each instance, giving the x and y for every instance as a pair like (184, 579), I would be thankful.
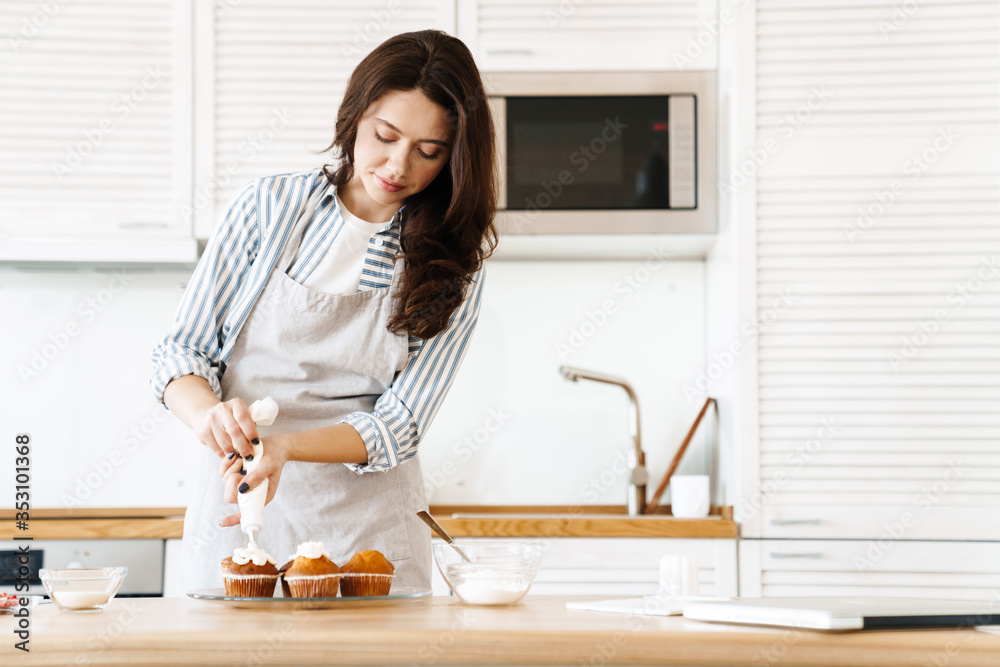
(339, 272)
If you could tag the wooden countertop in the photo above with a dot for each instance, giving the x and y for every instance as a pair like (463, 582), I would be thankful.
(478, 521)
(539, 631)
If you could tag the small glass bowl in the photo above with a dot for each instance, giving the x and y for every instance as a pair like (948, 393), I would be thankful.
(500, 573)
(82, 589)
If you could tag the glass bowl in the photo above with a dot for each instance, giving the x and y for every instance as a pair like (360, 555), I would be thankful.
(500, 573)
(82, 589)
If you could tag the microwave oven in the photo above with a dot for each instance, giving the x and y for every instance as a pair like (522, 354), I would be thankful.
(604, 152)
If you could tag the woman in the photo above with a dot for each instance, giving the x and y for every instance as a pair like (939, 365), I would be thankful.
(348, 294)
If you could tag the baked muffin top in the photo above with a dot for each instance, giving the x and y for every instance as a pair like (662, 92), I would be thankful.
(310, 559)
(249, 561)
(369, 562)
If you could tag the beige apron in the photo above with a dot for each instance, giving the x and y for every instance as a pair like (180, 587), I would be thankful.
(321, 357)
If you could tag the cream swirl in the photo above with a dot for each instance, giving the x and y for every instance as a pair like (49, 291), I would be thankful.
(243, 556)
(310, 550)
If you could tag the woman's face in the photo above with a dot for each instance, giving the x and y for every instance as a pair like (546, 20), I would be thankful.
(403, 143)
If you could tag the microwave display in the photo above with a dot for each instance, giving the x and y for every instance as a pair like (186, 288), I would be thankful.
(601, 152)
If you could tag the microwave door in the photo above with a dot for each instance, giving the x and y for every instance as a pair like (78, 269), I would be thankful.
(594, 153)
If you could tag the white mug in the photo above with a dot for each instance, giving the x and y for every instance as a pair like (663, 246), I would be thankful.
(689, 496)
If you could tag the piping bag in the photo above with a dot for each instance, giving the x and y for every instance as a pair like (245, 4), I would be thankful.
(251, 503)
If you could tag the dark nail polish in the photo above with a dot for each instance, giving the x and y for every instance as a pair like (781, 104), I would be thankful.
(256, 441)
(231, 455)
(240, 455)
(243, 472)
(249, 457)
(244, 487)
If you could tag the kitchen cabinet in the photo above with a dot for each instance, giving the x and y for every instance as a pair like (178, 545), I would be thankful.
(932, 569)
(270, 81)
(126, 151)
(97, 145)
(863, 171)
(627, 567)
(591, 35)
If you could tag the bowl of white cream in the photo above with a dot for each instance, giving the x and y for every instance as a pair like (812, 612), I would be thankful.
(82, 589)
(499, 574)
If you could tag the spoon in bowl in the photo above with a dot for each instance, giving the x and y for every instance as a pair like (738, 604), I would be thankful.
(436, 527)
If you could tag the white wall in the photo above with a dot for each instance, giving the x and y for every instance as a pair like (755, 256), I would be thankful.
(559, 435)
(75, 377)
(100, 440)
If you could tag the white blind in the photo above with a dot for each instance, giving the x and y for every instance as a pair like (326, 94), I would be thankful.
(597, 34)
(89, 137)
(879, 251)
(280, 70)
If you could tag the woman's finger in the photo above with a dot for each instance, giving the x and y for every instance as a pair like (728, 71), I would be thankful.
(231, 520)
(230, 464)
(241, 414)
(224, 445)
(240, 443)
(229, 487)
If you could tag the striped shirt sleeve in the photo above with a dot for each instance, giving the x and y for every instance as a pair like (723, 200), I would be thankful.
(193, 344)
(402, 415)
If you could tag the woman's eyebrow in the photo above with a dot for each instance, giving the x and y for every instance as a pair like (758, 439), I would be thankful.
(396, 129)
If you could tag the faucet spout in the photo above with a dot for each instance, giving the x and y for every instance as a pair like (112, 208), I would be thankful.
(638, 477)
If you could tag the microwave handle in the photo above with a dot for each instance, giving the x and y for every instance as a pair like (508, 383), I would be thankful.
(498, 107)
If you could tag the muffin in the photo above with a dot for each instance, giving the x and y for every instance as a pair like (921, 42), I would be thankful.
(310, 573)
(249, 573)
(367, 573)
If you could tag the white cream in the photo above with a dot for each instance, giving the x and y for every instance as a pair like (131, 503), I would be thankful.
(251, 503)
(310, 550)
(80, 599)
(491, 586)
(259, 557)
(492, 591)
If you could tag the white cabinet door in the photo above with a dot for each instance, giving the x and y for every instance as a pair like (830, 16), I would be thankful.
(270, 80)
(876, 190)
(590, 35)
(922, 520)
(96, 124)
(624, 566)
(885, 567)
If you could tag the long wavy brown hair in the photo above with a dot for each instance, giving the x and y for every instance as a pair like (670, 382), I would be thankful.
(447, 228)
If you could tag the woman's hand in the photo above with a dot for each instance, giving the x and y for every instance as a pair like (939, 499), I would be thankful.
(275, 454)
(226, 427)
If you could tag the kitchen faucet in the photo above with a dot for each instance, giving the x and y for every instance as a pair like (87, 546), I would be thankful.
(636, 499)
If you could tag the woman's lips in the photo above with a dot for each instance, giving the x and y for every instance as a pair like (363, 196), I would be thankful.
(388, 186)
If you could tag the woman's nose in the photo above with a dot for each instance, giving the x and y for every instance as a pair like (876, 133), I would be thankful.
(396, 161)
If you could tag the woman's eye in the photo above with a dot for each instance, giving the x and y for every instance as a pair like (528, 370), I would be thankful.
(428, 157)
(382, 139)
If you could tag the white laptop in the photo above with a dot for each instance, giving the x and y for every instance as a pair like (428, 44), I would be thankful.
(847, 613)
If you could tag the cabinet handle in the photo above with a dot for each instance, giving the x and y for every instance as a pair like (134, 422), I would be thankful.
(142, 224)
(509, 52)
(813, 554)
(795, 522)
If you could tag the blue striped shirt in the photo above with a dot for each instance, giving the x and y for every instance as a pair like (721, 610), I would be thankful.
(238, 260)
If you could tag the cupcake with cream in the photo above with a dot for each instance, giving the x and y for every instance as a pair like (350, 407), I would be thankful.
(367, 573)
(250, 573)
(310, 573)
